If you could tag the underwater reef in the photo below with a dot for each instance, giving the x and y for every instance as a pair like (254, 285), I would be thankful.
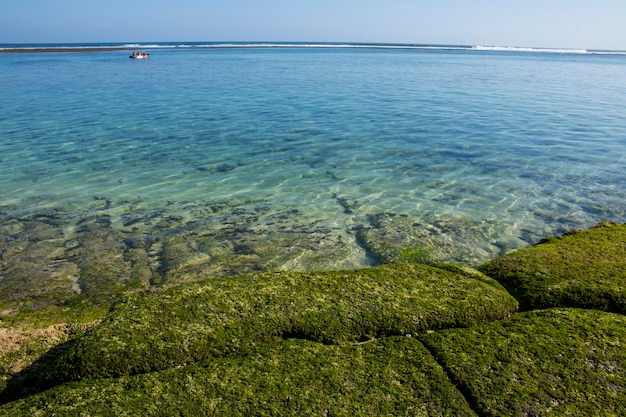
(537, 331)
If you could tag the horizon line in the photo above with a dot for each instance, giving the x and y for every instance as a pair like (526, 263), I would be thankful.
(116, 46)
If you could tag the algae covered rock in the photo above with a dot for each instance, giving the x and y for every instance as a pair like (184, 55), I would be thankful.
(557, 362)
(218, 317)
(393, 238)
(389, 377)
(584, 269)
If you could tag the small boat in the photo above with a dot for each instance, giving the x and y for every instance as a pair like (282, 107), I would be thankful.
(139, 55)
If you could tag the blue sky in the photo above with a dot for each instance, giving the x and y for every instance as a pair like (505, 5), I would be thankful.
(597, 24)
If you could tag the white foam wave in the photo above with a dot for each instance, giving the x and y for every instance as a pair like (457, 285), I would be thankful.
(527, 49)
(319, 45)
(139, 45)
(345, 45)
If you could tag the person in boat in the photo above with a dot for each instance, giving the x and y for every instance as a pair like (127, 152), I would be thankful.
(137, 54)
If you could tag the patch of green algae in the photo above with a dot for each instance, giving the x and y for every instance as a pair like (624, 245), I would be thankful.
(219, 317)
(559, 362)
(584, 269)
(389, 377)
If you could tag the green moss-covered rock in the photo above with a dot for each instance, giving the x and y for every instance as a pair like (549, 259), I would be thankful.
(584, 269)
(561, 362)
(217, 317)
(389, 377)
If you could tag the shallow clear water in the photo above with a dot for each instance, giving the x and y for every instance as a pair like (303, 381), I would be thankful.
(469, 154)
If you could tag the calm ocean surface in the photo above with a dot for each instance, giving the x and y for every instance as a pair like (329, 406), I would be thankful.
(308, 158)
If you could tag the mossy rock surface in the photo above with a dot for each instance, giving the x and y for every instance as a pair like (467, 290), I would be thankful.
(557, 362)
(585, 269)
(218, 317)
(390, 377)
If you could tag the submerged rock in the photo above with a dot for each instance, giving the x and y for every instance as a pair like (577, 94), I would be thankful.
(138, 242)
(394, 238)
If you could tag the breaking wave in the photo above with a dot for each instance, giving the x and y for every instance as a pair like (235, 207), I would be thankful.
(527, 49)
(345, 45)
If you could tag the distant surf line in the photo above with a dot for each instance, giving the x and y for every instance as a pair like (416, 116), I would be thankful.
(104, 47)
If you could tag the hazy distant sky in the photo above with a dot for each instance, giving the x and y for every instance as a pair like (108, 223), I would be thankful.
(590, 24)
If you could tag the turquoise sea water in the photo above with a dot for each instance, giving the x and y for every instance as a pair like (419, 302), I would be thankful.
(307, 158)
